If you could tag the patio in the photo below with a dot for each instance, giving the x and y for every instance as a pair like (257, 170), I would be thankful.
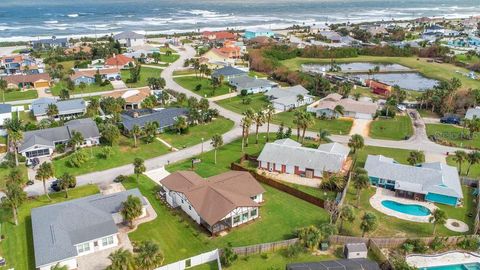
(292, 178)
(444, 259)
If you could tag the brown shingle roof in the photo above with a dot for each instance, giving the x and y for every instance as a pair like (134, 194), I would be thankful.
(213, 198)
(31, 78)
(91, 72)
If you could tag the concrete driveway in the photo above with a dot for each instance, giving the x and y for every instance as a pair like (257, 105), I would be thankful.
(361, 126)
(118, 85)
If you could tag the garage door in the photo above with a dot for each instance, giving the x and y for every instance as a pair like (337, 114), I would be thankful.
(363, 116)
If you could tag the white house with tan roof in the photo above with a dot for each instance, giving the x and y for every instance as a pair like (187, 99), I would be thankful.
(133, 97)
(219, 202)
(325, 107)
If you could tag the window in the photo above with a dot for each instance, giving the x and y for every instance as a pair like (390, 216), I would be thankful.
(106, 241)
(189, 207)
(188, 263)
(253, 212)
(245, 216)
(254, 197)
(236, 219)
(182, 200)
(83, 248)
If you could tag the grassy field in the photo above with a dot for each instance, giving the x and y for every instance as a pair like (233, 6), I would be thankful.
(123, 153)
(451, 134)
(184, 72)
(427, 113)
(20, 95)
(206, 91)
(236, 104)
(4, 172)
(340, 126)
(169, 58)
(145, 73)
(437, 71)
(391, 129)
(17, 247)
(179, 237)
(196, 133)
(91, 88)
(398, 155)
(474, 169)
(253, 73)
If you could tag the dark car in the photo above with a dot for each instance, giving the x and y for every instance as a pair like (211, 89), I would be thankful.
(451, 119)
(56, 187)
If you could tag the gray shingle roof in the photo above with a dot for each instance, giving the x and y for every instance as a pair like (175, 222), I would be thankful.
(287, 95)
(288, 153)
(164, 117)
(128, 34)
(247, 82)
(343, 264)
(40, 106)
(434, 177)
(58, 227)
(5, 108)
(356, 247)
(228, 71)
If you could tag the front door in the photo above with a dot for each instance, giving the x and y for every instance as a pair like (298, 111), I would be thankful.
(309, 173)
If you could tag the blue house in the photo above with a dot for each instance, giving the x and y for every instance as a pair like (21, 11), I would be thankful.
(48, 43)
(434, 182)
(253, 33)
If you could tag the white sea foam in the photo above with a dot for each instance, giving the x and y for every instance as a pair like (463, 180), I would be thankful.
(50, 22)
(75, 15)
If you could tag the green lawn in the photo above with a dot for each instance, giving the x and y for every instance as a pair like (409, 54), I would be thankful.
(123, 153)
(398, 155)
(17, 247)
(238, 105)
(27, 117)
(169, 58)
(314, 191)
(474, 169)
(340, 126)
(4, 172)
(437, 71)
(20, 95)
(196, 133)
(145, 73)
(184, 72)
(391, 129)
(90, 88)
(427, 113)
(452, 135)
(179, 237)
(206, 91)
(253, 73)
(164, 49)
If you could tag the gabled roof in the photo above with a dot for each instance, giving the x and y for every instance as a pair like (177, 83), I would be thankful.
(131, 95)
(247, 82)
(30, 78)
(215, 197)
(328, 158)
(91, 72)
(349, 105)
(58, 227)
(40, 106)
(434, 177)
(164, 117)
(118, 60)
(287, 92)
(228, 71)
(128, 35)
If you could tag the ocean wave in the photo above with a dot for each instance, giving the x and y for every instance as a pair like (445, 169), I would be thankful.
(74, 15)
(50, 22)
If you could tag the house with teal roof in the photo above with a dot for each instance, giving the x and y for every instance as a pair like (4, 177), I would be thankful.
(253, 33)
(434, 182)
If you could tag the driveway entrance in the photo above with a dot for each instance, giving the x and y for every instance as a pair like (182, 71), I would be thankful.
(361, 126)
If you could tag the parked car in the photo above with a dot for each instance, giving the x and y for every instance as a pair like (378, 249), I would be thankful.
(56, 187)
(33, 162)
(451, 119)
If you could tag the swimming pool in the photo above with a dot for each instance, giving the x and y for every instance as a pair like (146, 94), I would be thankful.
(409, 209)
(468, 266)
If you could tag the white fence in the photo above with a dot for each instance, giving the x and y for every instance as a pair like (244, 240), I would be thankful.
(194, 261)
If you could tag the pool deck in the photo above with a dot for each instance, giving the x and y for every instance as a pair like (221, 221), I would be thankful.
(445, 259)
(383, 194)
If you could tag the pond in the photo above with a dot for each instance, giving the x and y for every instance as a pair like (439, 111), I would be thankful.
(409, 81)
(355, 67)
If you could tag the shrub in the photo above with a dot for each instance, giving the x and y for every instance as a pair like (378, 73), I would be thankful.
(78, 158)
(120, 178)
(418, 245)
(60, 148)
(469, 243)
(294, 250)
(228, 256)
(437, 244)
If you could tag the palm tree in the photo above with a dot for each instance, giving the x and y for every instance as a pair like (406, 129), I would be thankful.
(82, 87)
(150, 129)
(310, 237)
(149, 255)
(308, 120)
(369, 223)
(356, 143)
(347, 214)
(122, 259)
(298, 121)
(472, 158)
(246, 122)
(360, 181)
(131, 209)
(416, 157)
(460, 157)
(3, 88)
(66, 181)
(14, 196)
(76, 139)
(323, 136)
(269, 111)
(259, 119)
(217, 141)
(136, 131)
(52, 110)
(93, 105)
(181, 124)
(139, 167)
(45, 172)
(15, 133)
(439, 217)
(339, 110)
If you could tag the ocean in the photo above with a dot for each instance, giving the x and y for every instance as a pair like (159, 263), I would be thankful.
(31, 19)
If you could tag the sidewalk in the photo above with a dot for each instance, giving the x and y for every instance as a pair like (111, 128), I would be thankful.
(222, 97)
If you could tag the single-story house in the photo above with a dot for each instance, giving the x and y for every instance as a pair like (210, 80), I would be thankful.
(87, 76)
(5, 113)
(355, 250)
(228, 73)
(64, 231)
(120, 61)
(253, 33)
(325, 107)
(286, 98)
(216, 58)
(42, 142)
(166, 118)
(472, 112)
(218, 203)
(289, 156)
(251, 84)
(21, 81)
(379, 88)
(48, 43)
(435, 182)
(133, 97)
(67, 109)
(343, 264)
(130, 38)
(219, 36)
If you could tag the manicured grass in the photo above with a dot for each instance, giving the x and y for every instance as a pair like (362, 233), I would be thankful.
(179, 237)
(27, 117)
(20, 95)
(238, 105)
(396, 129)
(90, 88)
(184, 72)
(427, 113)
(474, 169)
(123, 153)
(145, 73)
(314, 191)
(398, 155)
(169, 58)
(452, 135)
(206, 266)
(253, 73)
(17, 247)
(207, 90)
(4, 172)
(433, 70)
(196, 133)
(164, 49)
(340, 126)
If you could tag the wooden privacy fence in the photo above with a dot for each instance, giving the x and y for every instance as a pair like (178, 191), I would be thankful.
(389, 242)
(264, 247)
(280, 186)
